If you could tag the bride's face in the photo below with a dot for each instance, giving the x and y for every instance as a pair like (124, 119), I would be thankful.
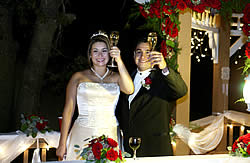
(99, 54)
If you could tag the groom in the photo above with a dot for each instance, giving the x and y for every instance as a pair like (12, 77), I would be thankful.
(146, 113)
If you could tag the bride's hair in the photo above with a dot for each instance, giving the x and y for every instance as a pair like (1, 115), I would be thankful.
(99, 36)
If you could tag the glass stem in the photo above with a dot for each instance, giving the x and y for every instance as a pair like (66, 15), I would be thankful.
(113, 61)
(134, 157)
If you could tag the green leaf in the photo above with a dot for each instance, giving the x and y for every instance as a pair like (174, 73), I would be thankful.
(170, 43)
(34, 135)
(24, 127)
(43, 131)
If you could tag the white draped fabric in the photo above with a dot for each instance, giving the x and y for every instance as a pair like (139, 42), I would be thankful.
(13, 144)
(210, 137)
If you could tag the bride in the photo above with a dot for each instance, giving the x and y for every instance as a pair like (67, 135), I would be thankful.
(96, 92)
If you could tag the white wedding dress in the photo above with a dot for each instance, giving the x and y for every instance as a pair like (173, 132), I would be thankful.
(96, 104)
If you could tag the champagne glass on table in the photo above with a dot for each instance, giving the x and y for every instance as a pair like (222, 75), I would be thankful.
(152, 40)
(134, 144)
(114, 38)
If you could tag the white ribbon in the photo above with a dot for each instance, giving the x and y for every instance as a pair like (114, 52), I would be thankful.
(36, 154)
(209, 138)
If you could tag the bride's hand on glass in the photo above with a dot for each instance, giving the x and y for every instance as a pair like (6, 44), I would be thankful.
(115, 53)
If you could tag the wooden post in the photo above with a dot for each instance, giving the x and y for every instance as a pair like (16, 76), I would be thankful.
(44, 154)
(221, 75)
(26, 156)
(184, 61)
(231, 130)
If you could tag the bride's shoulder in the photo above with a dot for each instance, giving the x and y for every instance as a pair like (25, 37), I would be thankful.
(81, 75)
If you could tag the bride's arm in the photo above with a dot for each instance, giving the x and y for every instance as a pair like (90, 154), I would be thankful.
(69, 109)
(125, 82)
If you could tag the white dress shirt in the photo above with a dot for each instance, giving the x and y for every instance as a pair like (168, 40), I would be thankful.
(139, 77)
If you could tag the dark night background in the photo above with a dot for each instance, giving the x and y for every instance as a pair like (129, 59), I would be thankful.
(113, 15)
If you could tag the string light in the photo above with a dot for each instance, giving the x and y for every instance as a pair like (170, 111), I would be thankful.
(199, 45)
(242, 128)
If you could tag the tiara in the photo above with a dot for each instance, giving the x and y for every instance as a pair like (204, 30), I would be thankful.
(99, 33)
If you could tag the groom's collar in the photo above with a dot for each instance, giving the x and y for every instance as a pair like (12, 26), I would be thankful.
(141, 73)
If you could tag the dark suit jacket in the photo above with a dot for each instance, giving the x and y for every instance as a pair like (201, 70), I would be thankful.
(150, 112)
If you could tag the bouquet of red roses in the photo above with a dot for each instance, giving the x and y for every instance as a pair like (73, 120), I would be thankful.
(100, 150)
(33, 124)
(241, 146)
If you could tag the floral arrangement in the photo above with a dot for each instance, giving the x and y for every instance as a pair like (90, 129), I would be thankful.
(146, 83)
(33, 124)
(101, 150)
(241, 146)
(162, 16)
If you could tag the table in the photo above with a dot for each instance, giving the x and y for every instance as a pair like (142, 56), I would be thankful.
(15, 143)
(216, 158)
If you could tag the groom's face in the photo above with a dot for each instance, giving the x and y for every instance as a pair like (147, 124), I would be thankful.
(142, 55)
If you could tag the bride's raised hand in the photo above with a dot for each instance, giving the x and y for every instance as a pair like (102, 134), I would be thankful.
(115, 53)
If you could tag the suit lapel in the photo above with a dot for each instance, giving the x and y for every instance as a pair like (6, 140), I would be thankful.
(136, 104)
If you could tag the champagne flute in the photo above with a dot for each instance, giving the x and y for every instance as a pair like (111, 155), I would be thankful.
(134, 144)
(114, 38)
(152, 40)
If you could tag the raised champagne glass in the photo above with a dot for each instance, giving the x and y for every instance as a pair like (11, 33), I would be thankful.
(134, 144)
(114, 38)
(152, 40)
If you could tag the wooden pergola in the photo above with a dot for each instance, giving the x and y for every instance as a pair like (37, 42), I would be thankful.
(222, 51)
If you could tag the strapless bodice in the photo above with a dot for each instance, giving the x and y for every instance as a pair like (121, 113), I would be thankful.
(96, 104)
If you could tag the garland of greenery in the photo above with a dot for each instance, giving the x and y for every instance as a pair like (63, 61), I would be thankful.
(162, 16)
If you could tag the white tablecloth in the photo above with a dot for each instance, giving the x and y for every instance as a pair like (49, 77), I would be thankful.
(15, 143)
(217, 158)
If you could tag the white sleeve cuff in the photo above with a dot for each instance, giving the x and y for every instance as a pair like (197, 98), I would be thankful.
(165, 73)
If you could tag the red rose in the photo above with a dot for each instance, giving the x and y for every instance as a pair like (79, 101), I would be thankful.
(181, 5)
(32, 115)
(112, 142)
(246, 29)
(246, 17)
(164, 48)
(248, 149)
(111, 154)
(41, 126)
(234, 147)
(120, 154)
(148, 80)
(216, 4)
(142, 11)
(173, 32)
(247, 53)
(96, 149)
(167, 10)
(173, 2)
(246, 138)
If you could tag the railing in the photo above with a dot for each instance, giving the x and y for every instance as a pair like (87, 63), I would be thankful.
(205, 21)
(235, 125)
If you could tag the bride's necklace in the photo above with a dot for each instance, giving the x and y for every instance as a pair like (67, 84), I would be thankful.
(100, 77)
